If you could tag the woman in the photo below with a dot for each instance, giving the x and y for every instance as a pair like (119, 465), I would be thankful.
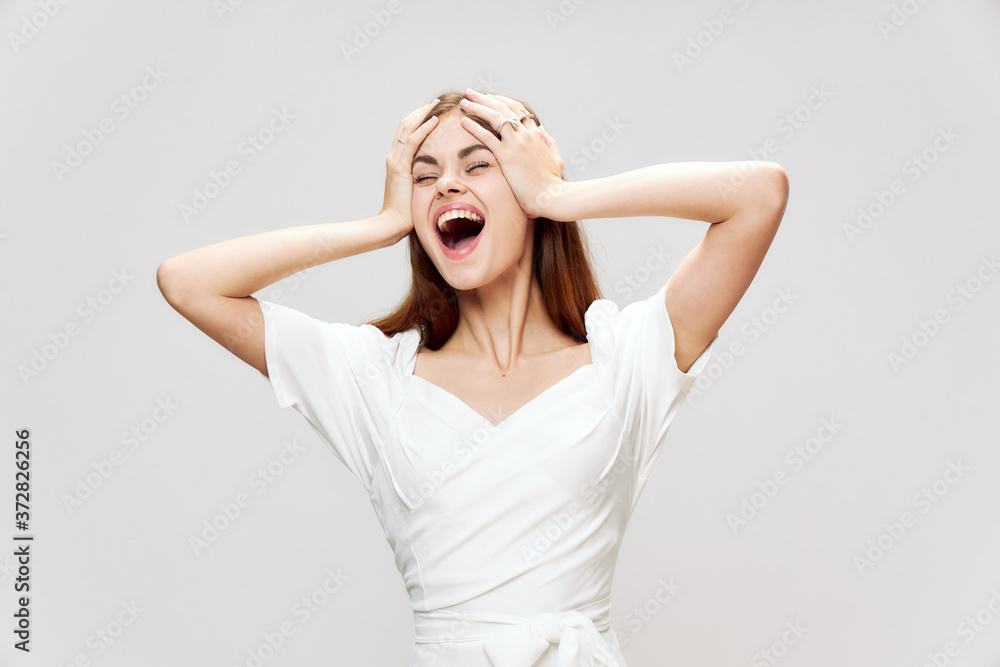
(504, 418)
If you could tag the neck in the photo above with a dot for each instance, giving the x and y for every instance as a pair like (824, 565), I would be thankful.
(504, 323)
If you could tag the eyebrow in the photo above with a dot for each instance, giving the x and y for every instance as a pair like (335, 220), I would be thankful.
(462, 154)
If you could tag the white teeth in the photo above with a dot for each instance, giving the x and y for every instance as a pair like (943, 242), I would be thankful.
(456, 213)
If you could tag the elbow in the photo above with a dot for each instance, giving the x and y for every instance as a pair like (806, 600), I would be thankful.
(772, 192)
(780, 179)
(168, 281)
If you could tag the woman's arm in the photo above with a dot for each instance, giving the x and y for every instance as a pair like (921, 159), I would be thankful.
(745, 201)
(707, 191)
(211, 286)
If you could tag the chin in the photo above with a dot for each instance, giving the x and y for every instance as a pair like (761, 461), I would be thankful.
(464, 278)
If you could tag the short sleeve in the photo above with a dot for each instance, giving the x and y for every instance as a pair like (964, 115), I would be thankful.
(634, 350)
(334, 375)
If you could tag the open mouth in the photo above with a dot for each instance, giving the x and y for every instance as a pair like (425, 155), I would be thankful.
(459, 227)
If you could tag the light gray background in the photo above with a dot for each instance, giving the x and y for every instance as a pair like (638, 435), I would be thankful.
(825, 356)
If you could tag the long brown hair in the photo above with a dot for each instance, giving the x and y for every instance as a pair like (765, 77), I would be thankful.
(560, 262)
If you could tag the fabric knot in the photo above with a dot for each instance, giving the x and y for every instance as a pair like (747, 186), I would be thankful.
(577, 637)
(547, 627)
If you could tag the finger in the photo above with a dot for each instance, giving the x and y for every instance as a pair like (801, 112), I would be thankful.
(549, 142)
(404, 129)
(487, 138)
(552, 146)
(548, 138)
(421, 110)
(411, 119)
(419, 134)
(518, 109)
(490, 102)
(491, 116)
(412, 142)
(505, 103)
(512, 104)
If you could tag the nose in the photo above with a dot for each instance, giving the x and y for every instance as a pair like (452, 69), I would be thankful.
(448, 184)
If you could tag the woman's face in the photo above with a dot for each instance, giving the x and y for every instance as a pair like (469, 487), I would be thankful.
(447, 169)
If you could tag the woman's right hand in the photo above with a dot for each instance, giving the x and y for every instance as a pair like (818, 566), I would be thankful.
(398, 167)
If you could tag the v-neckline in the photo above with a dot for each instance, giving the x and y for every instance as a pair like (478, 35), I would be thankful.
(469, 409)
(545, 392)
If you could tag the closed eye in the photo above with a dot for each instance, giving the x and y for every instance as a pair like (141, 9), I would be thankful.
(474, 165)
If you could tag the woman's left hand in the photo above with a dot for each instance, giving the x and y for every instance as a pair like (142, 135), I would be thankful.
(528, 156)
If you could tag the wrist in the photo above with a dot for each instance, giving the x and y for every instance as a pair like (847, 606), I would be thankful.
(557, 201)
(397, 227)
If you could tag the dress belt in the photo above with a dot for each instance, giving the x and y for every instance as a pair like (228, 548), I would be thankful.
(526, 638)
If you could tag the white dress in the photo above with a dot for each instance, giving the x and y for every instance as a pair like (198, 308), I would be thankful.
(506, 537)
